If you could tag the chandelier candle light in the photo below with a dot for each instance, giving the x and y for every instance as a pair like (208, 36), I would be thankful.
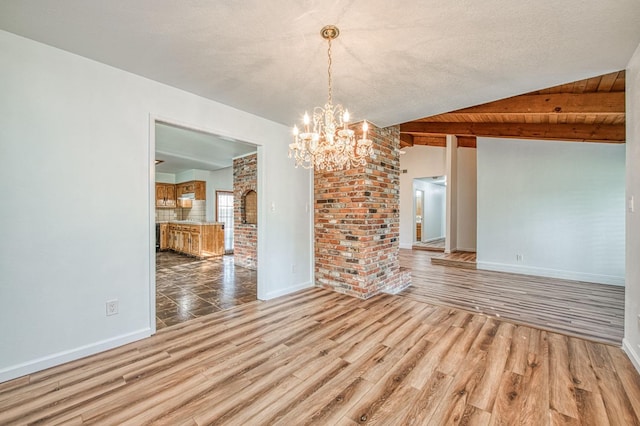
(327, 143)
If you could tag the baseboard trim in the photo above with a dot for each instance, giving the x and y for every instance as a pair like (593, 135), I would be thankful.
(429, 240)
(407, 246)
(288, 290)
(631, 353)
(552, 273)
(39, 364)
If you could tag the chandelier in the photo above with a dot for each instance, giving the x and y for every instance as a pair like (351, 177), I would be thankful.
(325, 141)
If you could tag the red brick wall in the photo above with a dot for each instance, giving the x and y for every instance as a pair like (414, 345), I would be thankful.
(245, 179)
(357, 223)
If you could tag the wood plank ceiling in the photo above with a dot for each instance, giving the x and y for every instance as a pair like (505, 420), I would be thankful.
(591, 110)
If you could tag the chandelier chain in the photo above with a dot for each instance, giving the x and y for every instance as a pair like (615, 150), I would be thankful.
(329, 72)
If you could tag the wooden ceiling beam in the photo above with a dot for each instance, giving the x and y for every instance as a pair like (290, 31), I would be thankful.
(598, 103)
(406, 140)
(569, 132)
(429, 140)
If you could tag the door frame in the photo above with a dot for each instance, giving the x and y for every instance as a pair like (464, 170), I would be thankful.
(261, 152)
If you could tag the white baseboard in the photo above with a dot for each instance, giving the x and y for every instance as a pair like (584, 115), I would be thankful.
(285, 291)
(552, 273)
(428, 240)
(631, 353)
(407, 246)
(466, 250)
(28, 367)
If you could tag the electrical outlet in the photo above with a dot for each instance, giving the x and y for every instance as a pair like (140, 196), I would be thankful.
(519, 258)
(293, 268)
(112, 307)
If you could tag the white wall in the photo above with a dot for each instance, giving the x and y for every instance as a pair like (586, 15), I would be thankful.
(419, 161)
(558, 204)
(218, 180)
(427, 161)
(165, 178)
(467, 199)
(631, 340)
(82, 234)
(433, 219)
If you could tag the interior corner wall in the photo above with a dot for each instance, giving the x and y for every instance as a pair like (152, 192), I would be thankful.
(467, 199)
(217, 180)
(418, 161)
(434, 210)
(558, 205)
(631, 342)
(75, 145)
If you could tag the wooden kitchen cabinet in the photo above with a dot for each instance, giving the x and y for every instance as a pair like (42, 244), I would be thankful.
(197, 187)
(165, 195)
(201, 240)
(164, 236)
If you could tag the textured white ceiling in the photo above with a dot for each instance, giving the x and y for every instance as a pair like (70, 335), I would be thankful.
(184, 149)
(395, 60)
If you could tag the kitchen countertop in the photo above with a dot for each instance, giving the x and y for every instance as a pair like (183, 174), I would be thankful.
(188, 222)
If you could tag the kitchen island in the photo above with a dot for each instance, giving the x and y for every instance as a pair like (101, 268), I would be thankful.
(199, 239)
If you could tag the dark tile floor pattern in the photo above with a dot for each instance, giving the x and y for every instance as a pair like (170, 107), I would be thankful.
(188, 288)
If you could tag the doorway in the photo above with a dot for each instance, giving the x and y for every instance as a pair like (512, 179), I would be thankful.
(429, 220)
(187, 285)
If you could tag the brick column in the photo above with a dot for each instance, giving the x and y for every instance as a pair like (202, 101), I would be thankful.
(357, 223)
(245, 235)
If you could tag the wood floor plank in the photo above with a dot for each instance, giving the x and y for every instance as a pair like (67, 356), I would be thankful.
(561, 397)
(628, 377)
(536, 381)
(423, 406)
(580, 309)
(318, 357)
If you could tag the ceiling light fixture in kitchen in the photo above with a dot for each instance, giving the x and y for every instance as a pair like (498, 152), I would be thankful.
(325, 141)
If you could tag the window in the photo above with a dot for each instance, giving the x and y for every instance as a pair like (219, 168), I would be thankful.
(224, 212)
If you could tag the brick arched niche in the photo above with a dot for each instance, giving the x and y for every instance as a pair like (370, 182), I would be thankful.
(245, 211)
(250, 207)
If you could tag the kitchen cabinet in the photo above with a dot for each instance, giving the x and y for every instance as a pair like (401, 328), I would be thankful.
(199, 240)
(197, 187)
(165, 195)
(164, 236)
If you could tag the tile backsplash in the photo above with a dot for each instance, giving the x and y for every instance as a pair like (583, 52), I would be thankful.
(196, 213)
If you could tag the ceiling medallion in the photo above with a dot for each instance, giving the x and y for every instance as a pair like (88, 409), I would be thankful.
(325, 141)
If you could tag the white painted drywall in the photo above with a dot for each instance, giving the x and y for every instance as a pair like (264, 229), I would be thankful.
(79, 234)
(435, 212)
(419, 161)
(558, 204)
(218, 180)
(433, 219)
(165, 178)
(631, 342)
(467, 200)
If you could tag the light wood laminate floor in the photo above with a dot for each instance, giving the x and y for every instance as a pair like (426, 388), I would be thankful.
(587, 310)
(319, 357)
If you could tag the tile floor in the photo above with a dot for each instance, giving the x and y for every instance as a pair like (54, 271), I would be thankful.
(187, 288)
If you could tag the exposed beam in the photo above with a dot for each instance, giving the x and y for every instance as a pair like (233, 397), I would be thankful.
(466, 142)
(599, 103)
(430, 140)
(434, 140)
(406, 140)
(569, 132)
